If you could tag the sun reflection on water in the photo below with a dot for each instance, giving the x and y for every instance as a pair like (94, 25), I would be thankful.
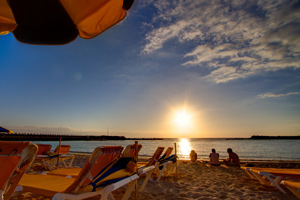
(184, 147)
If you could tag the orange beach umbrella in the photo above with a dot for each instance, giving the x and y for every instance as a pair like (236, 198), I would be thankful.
(59, 21)
(5, 130)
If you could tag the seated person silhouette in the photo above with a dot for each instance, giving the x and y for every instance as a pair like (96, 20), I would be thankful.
(214, 158)
(233, 159)
(193, 156)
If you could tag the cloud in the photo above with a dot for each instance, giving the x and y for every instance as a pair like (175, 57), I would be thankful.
(271, 95)
(233, 39)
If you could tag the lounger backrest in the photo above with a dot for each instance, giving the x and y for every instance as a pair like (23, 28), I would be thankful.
(17, 157)
(101, 159)
(155, 156)
(130, 150)
(43, 149)
(167, 153)
(64, 149)
(122, 168)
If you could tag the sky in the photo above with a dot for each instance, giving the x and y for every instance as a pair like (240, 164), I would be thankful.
(171, 68)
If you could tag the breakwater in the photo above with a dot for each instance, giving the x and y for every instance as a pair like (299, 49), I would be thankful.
(55, 137)
(260, 137)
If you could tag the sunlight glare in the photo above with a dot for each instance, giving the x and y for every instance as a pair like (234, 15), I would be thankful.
(185, 147)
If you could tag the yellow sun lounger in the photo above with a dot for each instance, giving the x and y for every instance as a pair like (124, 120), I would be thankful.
(103, 173)
(15, 158)
(293, 186)
(272, 176)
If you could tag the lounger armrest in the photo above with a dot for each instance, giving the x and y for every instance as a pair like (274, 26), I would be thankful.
(144, 170)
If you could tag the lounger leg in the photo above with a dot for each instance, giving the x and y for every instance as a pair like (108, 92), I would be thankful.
(261, 180)
(146, 180)
(71, 162)
(129, 189)
(274, 183)
(171, 168)
(111, 197)
(294, 191)
(161, 171)
(249, 174)
(1, 194)
(63, 161)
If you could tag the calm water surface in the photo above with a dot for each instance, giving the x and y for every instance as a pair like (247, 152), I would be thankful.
(246, 149)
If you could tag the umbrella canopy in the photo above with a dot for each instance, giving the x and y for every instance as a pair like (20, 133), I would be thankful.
(5, 130)
(59, 21)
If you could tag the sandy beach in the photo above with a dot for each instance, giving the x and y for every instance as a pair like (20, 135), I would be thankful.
(198, 181)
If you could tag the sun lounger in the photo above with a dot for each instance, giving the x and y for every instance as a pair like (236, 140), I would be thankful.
(293, 186)
(272, 176)
(154, 159)
(129, 151)
(166, 164)
(49, 159)
(42, 155)
(148, 168)
(166, 154)
(103, 173)
(15, 158)
(64, 155)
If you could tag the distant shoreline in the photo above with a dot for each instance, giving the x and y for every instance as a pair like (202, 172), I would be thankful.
(56, 137)
(261, 137)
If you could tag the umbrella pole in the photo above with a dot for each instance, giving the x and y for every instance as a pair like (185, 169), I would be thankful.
(58, 153)
(136, 157)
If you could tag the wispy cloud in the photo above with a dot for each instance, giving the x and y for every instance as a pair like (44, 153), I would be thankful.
(233, 39)
(270, 95)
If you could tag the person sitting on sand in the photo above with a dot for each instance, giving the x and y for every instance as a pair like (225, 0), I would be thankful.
(233, 159)
(214, 158)
(193, 156)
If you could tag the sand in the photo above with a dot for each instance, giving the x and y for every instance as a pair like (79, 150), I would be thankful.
(198, 181)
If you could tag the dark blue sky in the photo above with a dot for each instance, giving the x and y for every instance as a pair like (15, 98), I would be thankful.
(231, 67)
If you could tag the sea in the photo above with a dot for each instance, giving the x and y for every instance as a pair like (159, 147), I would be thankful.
(247, 149)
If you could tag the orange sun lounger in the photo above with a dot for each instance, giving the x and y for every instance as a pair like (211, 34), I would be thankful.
(15, 158)
(99, 176)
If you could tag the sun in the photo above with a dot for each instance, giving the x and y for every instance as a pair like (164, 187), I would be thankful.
(182, 118)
